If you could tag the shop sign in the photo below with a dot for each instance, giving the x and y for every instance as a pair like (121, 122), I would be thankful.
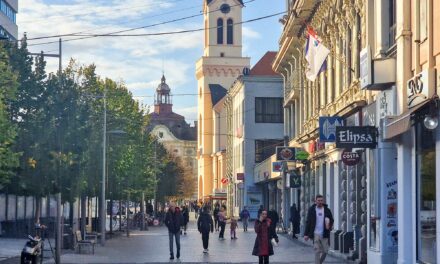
(295, 180)
(224, 180)
(277, 166)
(301, 155)
(285, 153)
(386, 103)
(365, 67)
(327, 128)
(240, 176)
(220, 191)
(356, 137)
(350, 158)
(420, 88)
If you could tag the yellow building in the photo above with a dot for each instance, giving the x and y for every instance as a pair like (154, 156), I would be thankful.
(216, 70)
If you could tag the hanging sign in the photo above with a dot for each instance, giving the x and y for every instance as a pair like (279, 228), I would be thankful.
(301, 155)
(277, 166)
(240, 176)
(224, 180)
(295, 180)
(350, 158)
(356, 137)
(285, 153)
(420, 88)
(327, 128)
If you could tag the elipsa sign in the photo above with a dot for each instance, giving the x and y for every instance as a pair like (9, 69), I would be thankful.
(356, 137)
(285, 153)
(327, 128)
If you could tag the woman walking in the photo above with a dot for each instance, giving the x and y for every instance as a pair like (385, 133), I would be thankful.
(263, 247)
(222, 222)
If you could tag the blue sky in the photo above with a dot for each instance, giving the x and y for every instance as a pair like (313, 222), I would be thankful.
(139, 61)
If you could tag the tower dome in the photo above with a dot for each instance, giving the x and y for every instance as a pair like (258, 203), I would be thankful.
(163, 86)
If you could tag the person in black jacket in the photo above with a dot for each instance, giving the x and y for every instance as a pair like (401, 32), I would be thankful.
(173, 220)
(185, 215)
(273, 215)
(204, 225)
(318, 226)
(295, 220)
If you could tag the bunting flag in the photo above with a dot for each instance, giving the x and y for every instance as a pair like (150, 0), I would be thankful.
(316, 55)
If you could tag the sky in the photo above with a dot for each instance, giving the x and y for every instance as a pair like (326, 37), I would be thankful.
(139, 61)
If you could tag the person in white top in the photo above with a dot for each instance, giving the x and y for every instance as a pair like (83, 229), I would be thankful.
(318, 226)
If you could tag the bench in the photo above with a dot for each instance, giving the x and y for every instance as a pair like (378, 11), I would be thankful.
(84, 242)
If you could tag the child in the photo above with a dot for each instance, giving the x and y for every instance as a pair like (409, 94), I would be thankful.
(234, 225)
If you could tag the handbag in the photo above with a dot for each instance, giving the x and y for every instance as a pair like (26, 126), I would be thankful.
(274, 242)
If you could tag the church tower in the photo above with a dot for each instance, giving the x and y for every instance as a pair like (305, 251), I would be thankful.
(216, 70)
(162, 99)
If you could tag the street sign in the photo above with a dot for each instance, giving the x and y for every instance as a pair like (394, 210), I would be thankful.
(327, 128)
(356, 137)
(224, 180)
(350, 158)
(285, 153)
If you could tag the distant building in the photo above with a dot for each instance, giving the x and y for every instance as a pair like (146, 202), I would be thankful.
(254, 110)
(171, 129)
(8, 23)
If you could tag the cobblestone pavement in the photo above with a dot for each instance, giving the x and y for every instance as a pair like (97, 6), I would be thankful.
(152, 247)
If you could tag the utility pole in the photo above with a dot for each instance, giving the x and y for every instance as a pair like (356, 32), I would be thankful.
(155, 178)
(103, 213)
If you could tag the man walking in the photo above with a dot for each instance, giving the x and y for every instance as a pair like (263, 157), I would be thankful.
(244, 215)
(318, 226)
(295, 220)
(204, 225)
(173, 220)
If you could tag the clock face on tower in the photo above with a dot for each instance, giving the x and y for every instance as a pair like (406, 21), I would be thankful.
(225, 8)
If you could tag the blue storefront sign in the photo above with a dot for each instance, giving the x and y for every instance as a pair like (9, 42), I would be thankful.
(327, 128)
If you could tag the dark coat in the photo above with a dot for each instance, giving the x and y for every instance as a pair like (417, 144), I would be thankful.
(205, 223)
(295, 218)
(185, 215)
(263, 246)
(311, 222)
(216, 210)
(174, 221)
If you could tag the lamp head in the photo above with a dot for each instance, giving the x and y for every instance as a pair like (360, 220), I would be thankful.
(430, 122)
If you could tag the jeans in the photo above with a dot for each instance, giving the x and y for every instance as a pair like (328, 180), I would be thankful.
(321, 248)
(222, 229)
(171, 236)
(245, 223)
(205, 239)
(263, 259)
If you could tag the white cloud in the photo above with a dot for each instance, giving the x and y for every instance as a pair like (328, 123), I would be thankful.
(249, 33)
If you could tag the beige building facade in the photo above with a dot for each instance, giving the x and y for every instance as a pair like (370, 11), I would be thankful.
(216, 70)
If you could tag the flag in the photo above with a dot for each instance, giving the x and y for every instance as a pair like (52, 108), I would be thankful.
(316, 54)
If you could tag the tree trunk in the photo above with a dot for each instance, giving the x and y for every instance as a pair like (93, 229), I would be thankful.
(83, 214)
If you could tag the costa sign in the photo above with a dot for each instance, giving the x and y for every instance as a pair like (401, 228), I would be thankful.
(356, 137)
(350, 158)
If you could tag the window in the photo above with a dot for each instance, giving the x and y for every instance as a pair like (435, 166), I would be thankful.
(268, 110)
(266, 148)
(392, 22)
(426, 195)
(230, 32)
(220, 31)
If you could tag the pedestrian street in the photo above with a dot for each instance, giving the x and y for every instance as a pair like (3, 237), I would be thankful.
(152, 247)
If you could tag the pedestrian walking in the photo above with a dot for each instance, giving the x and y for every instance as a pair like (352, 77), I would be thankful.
(234, 226)
(274, 218)
(244, 215)
(318, 226)
(185, 215)
(196, 210)
(215, 214)
(295, 220)
(173, 220)
(204, 225)
(259, 211)
(222, 222)
(263, 247)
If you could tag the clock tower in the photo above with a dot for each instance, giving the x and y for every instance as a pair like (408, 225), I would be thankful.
(216, 70)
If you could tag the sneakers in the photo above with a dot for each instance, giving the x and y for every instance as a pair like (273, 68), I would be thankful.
(205, 251)
(172, 257)
(184, 233)
(178, 254)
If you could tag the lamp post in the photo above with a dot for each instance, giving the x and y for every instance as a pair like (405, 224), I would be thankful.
(58, 236)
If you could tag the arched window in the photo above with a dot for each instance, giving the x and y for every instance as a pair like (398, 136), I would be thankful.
(220, 31)
(230, 31)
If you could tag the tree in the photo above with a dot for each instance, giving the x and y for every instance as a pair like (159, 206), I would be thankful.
(8, 87)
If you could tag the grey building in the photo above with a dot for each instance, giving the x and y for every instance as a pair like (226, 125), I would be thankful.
(8, 22)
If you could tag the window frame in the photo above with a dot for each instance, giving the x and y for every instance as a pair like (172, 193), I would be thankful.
(261, 114)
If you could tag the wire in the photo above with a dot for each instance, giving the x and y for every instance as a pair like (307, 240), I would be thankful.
(156, 34)
(136, 28)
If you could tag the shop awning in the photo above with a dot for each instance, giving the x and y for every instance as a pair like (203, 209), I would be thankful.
(397, 125)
